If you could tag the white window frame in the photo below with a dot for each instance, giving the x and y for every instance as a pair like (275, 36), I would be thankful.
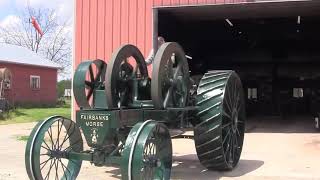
(34, 76)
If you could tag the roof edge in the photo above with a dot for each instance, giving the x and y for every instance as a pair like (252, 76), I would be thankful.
(51, 67)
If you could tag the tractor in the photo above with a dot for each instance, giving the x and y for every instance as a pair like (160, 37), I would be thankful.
(127, 117)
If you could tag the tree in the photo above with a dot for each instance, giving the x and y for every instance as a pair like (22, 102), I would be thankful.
(62, 85)
(56, 42)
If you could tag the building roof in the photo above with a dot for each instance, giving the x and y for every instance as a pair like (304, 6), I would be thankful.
(21, 55)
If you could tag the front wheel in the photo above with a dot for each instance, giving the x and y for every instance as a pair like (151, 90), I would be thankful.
(47, 150)
(147, 153)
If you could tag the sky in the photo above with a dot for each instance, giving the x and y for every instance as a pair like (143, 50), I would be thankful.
(10, 10)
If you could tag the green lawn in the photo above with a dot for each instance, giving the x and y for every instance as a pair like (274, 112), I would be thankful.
(23, 115)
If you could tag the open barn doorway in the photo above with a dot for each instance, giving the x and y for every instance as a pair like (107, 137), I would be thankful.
(273, 46)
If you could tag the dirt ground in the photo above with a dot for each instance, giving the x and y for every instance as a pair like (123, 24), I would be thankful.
(273, 149)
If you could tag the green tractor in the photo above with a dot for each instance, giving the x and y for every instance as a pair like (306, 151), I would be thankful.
(127, 118)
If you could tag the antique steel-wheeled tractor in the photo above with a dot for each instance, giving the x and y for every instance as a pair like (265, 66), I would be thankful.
(126, 118)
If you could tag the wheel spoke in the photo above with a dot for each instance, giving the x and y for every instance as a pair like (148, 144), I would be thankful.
(44, 163)
(91, 73)
(89, 94)
(226, 125)
(56, 167)
(50, 134)
(66, 136)
(46, 148)
(56, 144)
(226, 114)
(51, 165)
(46, 145)
(71, 146)
(177, 70)
(225, 138)
(228, 99)
(233, 146)
(89, 84)
(168, 96)
(65, 167)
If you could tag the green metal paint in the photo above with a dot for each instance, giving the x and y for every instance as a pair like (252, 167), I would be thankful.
(98, 126)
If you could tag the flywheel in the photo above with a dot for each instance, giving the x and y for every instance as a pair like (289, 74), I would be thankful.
(88, 77)
(126, 65)
(170, 77)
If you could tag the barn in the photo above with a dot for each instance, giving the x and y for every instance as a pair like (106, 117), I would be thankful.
(34, 79)
(273, 45)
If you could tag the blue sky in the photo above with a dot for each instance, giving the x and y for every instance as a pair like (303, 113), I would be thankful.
(12, 8)
(10, 11)
(7, 8)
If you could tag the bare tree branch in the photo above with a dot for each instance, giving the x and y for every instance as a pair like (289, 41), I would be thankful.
(55, 44)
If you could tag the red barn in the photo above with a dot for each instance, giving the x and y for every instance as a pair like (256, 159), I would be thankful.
(273, 45)
(34, 79)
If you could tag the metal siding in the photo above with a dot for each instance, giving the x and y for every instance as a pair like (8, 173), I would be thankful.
(116, 25)
(141, 22)
(124, 22)
(133, 16)
(85, 30)
(108, 29)
(93, 19)
(102, 26)
(101, 30)
(158, 2)
(20, 91)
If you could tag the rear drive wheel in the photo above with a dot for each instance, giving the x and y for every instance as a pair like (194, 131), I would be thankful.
(219, 131)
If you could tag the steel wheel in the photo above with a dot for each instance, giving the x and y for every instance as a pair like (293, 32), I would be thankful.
(127, 64)
(48, 147)
(147, 152)
(88, 77)
(170, 77)
(219, 132)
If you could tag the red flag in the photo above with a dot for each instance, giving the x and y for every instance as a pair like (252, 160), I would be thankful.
(36, 25)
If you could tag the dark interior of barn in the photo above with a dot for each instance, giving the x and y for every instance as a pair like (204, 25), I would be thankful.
(275, 49)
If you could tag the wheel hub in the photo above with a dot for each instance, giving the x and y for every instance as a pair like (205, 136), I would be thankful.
(57, 154)
(234, 118)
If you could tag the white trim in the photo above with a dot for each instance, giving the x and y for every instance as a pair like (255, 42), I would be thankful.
(222, 4)
(73, 57)
(133, 146)
(34, 76)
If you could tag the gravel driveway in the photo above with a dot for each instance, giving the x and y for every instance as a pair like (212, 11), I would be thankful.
(277, 151)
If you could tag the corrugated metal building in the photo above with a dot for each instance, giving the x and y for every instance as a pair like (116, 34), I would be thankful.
(271, 44)
(103, 25)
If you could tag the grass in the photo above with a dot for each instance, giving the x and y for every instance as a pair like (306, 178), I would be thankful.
(22, 138)
(24, 115)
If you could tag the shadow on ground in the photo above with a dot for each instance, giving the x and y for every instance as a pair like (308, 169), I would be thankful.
(188, 167)
(115, 173)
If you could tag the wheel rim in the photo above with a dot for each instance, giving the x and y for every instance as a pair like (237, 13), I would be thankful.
(233, 119)
(152, 155)
(48, 147)
(170, 77)
(88, 77)
(127, 64)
